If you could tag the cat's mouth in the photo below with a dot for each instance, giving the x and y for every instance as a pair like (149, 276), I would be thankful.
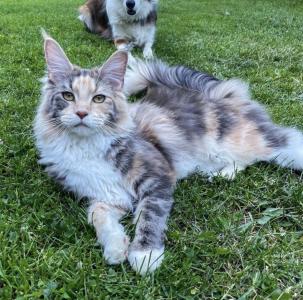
(81, 125)
(81, 129)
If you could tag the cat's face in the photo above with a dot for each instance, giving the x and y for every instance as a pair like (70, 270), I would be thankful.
(84, 102)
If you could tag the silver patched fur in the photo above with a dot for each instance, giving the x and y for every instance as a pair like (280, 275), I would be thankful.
(128, 22)
(127, 157)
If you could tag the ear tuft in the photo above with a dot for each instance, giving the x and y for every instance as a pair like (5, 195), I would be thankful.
(44, 34)
(58, 65)
(113, 70)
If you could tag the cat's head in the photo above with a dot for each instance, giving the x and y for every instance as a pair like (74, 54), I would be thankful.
(80, 101)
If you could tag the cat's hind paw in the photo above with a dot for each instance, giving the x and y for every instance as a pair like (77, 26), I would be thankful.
(145, 261)
(228, 172)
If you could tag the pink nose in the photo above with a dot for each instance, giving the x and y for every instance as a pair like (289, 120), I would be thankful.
(81, 114)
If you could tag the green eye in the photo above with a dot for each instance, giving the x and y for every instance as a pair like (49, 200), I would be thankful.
(99, 98)
(68, 96)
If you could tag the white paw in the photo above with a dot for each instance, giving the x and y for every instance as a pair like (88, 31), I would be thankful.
(228, 172)
(116, 249)
(146, 261)
(125, 47)
(81, 18)
(122, 47)
(148, 53)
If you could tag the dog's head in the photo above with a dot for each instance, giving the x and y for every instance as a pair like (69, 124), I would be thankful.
(133, 6)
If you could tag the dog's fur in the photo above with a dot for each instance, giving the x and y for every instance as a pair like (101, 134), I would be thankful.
(113, 20)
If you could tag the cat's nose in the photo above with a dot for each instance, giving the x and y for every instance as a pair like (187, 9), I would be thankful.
(81, 114)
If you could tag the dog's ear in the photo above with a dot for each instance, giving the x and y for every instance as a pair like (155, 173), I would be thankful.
(113, 70)
(58, 65)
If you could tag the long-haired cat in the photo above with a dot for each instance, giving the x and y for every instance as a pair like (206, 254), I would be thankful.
(127, 157)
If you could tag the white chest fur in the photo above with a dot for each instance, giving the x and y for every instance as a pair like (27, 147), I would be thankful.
(85, 171)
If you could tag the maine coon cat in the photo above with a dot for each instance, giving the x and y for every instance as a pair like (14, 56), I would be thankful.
(127, 157)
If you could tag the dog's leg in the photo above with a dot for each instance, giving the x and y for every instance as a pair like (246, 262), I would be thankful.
(120, 40)
(147, 51)
(150, 37)
(121, 44)
(86, 18)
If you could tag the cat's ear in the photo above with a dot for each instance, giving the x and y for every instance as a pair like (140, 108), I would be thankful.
(58, 65)
(113, 70)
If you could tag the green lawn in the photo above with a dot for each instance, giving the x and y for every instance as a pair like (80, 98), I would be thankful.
(226, 240)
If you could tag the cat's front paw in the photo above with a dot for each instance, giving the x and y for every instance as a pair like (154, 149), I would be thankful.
(116, 249)
(145, 261)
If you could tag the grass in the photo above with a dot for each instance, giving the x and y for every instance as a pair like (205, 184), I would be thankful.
(226, 240)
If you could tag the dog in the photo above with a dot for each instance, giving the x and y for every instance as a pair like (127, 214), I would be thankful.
(128, 22)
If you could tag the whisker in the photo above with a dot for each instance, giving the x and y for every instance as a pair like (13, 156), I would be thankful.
(117, 126)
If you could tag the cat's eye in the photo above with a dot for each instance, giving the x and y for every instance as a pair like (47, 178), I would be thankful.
(99, 99)
(68, 96)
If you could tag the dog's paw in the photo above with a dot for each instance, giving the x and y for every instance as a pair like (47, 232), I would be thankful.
(125, 47)
(122, 47)
(116, 249)
(148, 53)
(145, 261)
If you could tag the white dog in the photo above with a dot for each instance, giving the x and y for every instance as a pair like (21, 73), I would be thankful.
(127, 22)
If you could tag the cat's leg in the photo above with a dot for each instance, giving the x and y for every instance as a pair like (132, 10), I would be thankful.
(110, 233)
(147, 249)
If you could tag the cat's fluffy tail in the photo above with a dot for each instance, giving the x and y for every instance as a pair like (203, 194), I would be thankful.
(141, 75)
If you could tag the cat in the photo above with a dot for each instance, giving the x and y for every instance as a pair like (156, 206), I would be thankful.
(127, 157)
(128, 22)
